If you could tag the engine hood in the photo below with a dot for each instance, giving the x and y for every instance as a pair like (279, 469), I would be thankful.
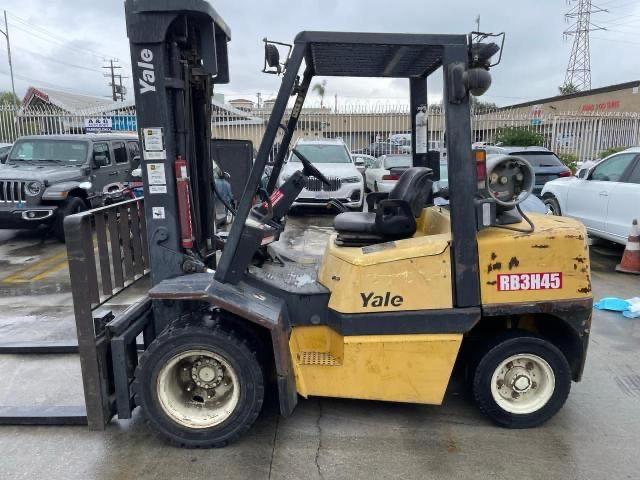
(51, 173)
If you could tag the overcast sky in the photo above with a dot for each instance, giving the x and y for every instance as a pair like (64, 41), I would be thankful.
(62, 43)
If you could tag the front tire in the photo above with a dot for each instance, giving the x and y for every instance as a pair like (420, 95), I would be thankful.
(552, 205)
(70, 206)
(521, 381)
(200, 386)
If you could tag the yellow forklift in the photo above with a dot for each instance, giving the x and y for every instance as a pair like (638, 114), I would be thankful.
(404, 292)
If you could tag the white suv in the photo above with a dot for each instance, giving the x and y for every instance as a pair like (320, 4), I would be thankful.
(605, 196)
(333, 159)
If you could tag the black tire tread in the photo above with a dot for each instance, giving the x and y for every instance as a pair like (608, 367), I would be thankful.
(192, 325)
(520, 421)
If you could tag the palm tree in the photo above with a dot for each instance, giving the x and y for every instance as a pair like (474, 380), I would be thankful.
(321, 89)
(568, 89)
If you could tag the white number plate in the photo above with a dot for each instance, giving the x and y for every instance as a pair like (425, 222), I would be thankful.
(508, 282)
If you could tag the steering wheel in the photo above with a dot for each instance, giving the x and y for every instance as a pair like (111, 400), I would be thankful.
(309, 170)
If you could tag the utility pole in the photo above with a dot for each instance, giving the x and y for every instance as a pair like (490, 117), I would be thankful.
(6, 34)
(478, 23)
(112, 67)
(579, 68)
(121, 89)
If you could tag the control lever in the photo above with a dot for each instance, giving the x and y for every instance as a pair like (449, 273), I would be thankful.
(337, 204)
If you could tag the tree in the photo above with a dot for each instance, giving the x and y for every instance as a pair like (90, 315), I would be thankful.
(519, 137)
(568, 89)
(8, 98)
(320, 89)
(480, 106)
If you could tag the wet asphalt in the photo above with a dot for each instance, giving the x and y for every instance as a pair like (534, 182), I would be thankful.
(595, 436)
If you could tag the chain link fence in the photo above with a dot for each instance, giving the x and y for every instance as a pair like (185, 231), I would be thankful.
(579, 134)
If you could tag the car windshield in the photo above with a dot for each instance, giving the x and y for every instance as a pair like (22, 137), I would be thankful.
(540, 159)
(45, 150)
(318, 153)
(397, 161)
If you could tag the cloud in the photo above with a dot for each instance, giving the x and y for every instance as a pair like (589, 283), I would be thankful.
(534, 61)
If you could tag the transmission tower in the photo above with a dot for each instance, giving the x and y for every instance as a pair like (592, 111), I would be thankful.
(579, 67)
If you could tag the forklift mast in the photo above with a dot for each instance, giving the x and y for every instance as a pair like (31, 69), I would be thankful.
(178, 51)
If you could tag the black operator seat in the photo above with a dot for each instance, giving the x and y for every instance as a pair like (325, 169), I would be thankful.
(395, 216)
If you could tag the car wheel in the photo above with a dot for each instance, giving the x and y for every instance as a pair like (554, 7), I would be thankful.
(229, 218)
(552, 205)
(200, 386)
(70, 206)
(521, 381)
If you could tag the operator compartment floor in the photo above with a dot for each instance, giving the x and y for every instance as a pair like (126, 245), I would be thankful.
(290, 276)
(297, 256)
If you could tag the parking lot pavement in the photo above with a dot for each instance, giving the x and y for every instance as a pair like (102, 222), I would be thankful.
(594, 437)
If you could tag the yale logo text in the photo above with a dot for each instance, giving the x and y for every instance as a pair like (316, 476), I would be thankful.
(372, 300)
(147, 80)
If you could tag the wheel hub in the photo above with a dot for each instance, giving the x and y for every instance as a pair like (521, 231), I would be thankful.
(198, 388)
(207, 373)
(522, 383)
(518, 379)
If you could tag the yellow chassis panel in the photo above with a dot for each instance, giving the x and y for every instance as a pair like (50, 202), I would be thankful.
(558, 245)
(399, 368)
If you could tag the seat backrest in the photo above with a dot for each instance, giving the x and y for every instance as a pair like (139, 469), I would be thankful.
(414, 187)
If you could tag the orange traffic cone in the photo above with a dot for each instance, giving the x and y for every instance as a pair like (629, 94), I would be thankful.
(631, 257)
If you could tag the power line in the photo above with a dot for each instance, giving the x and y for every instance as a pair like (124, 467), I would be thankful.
(39, 82)
(616, 41)
(47, 35)
(53, 60)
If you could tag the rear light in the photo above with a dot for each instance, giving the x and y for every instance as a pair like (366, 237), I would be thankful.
(390, 177)
(480, 157)
(566, 173)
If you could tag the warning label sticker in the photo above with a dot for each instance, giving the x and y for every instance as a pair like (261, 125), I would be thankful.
(153, 139)
(157, 189)
(508, 282)
(157, 212)
(155, 174)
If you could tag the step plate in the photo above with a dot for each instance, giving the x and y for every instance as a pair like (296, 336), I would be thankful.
(319, 358)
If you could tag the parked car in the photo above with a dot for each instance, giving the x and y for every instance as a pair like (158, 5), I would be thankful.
(333, 159)
(605, 196)
(546, 165)
(531, 204)
(362, 161)
(377, 149)
(223, 196)
(402, 140)
(380, 178)
(47, 178)
(4, 151)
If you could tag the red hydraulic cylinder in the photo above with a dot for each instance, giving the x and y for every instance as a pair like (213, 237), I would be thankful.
(184, 202)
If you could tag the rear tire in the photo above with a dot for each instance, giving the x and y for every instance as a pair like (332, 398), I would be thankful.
(521, 381)
(201, 415)
(70, 206)
(553, 207)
